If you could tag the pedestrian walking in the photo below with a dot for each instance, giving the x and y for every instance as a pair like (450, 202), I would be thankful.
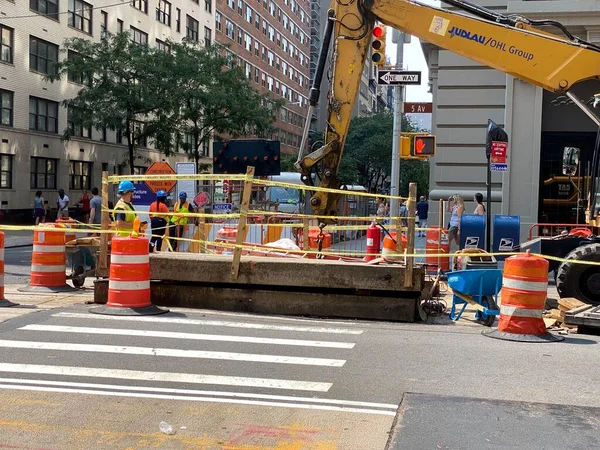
(95, 209)
(422, 214)
(456, 206)
(62, 204)
(480, 208)
(158, 223)
(84, 201)
(39, 208)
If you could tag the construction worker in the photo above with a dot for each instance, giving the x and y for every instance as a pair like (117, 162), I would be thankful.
(178, 222)
(158, 222)
(124, 220)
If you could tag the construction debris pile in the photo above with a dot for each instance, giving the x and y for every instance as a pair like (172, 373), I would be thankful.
(554, 316)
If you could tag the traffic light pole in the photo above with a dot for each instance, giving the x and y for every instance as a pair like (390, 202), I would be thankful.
(398, 107)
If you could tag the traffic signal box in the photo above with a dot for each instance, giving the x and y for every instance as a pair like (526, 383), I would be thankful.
(378, 45)
(423, 146)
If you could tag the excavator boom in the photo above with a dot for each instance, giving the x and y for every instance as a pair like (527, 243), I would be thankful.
(513, 45)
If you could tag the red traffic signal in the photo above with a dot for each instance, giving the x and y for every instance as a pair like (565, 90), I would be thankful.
(378, 45)
(378, 32)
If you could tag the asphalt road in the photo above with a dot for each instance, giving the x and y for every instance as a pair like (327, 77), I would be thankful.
(17, 265)
(71, 379)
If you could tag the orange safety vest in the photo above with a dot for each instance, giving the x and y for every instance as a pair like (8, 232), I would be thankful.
(158, 207)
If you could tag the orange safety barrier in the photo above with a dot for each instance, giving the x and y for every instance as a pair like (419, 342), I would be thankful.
(388, 251)
(435, 246)
(48, 261)
(554, 229)
(523, 299)
(3, 301)
(129, 279)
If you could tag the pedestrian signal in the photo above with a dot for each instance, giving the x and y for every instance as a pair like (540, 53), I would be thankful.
(404, 147)
(424, 146)
(378, 45)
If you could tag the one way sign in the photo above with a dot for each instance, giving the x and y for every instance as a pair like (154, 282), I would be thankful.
(398, 77)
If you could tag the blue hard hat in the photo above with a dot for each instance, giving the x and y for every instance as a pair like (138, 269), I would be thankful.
(182, 195)
(161, 193)
(126, 186)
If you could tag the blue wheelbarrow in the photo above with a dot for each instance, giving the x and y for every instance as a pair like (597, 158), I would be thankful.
(478, 288)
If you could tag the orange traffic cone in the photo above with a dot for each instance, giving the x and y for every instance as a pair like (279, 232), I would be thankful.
(129, 278)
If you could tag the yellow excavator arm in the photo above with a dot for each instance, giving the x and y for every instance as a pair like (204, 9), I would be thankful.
(514, 45)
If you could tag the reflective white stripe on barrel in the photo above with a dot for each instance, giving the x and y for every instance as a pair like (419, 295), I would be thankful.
(535, 286)
(129, 285)
(520, 312)
(49, 248)
(2, 254)
(129, 259)
(47, 268)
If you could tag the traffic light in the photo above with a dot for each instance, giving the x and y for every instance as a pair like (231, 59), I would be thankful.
(378, 45)
(424, 146)
(404, 147)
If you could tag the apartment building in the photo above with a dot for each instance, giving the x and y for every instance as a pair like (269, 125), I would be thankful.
(32, 155)
(271, 42)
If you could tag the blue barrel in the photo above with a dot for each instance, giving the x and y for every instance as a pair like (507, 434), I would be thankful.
(472, 231)
(507, 235)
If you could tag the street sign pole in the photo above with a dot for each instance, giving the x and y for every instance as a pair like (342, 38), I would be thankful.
(398, 108)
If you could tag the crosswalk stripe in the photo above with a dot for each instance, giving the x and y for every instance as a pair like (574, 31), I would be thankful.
(201, 393)
(139, 375)
(190, 336)
(199, 399)
(171, 352)
(215, 323)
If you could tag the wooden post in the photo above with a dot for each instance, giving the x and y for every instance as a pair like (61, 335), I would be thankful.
(202, 234)
(441, 225)
(105, 221)
(305, 235)
(410, 248)
(241, 230)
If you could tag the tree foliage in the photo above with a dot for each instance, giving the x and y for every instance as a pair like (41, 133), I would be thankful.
(214, 96)
(174, 99)
(367, 158)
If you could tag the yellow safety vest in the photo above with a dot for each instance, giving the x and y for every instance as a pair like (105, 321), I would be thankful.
(129, 216)
(178, 208)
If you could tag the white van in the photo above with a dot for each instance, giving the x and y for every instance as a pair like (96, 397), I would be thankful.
(286, 199)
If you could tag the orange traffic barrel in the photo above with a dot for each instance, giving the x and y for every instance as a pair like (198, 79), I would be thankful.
(436, 243)
(522, 300)
(3, 301)
(48, 261)
(129, 279)
(388, 251)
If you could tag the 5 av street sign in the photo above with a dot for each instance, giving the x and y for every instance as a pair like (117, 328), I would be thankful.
(398, 77)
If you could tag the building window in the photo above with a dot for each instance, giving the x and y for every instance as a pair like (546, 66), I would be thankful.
(6, 107)
(142, 5)
(256, 75)
(80, 15)
(163, 12)
(218, 20)
(231, 4)
(248, 42)
(43, 173)
(205, 147)
(191, 28)
(256, 48)
(208, 6)
(46, 7)
(270, 58)
(43, 56)
(239, 39)
(272, 8)
(80, 175)
(271, 33)
(78, 77)
(138, 36)
(139, 140)
(103, 24)
(6, 171)
(207, 37)
(161, 45)
(240, 7)
(229, 29)
(6, 44)
(248, 14)
(43, 115)
(76, 129)
(119, 26)
(178, 21)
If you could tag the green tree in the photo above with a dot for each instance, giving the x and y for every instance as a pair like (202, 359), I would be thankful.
(367, 158)
(214, 96)
(125, 88)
